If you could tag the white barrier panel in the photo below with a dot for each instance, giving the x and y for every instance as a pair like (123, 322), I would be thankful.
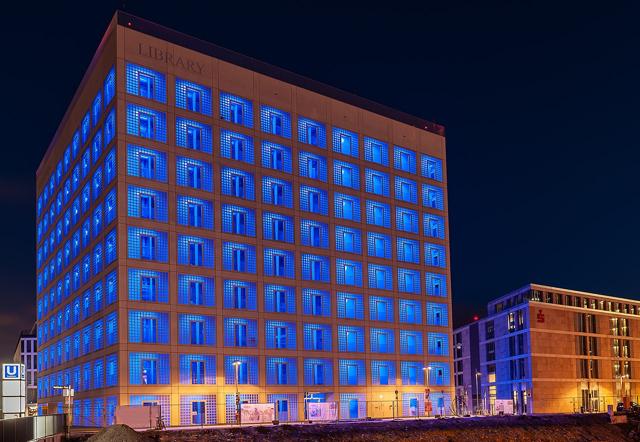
(257, 413)
(504, 405)
(322, 411)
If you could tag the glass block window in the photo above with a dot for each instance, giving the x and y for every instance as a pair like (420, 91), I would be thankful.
(279, 298)
(431, 167)
(378, 213)
(240, 294)
(407, 220)
(148, 285)
(350, 338)
(195, 251)
(352, 372)
(96, 108)
(230, 405)
(146, 83)
(96, 146)
(437, 314)
(312, 132)
(438, 375)
(240, 332)
(318, 371)
(408, 250)
(236, 109)
(148, 327)
(436, 284)
(404, 159)
(312, 166)
(345, 142)
(193, 135)
(409, 281)
(381, 309)
(194, 174)
(433, 226)
(277, 192)
(379, 245)
(382, 340)
(146, 163)
(147, 244)
(406, 190)
(194, 212)
(346, 174)
(111, 325)
(277, 157)
(380, 277)
(433, 197)
(376, 182)
(237, 183)
(413, 404)
(275, 121)
(353, 406)
(314, 200)
(376, 151)
(383, 372)
(109, 86)
(350, 306)
(196, 329)
(347, 207)
(146, 123)
(410, 311)
(435, 255)
(438, 344)
(315, 268)
(147, 203)
(109, 167)
(247, 371)
(411, 342)
(196, 290)
(159, 399)
(238, 257)
(280, 335)
(111, 372)
(348, 239)
(85, 128)
(196, 369)
(238, 220)
(193, 97)
(316, 302)
(282, 371)
(148, 368)
(277, 227)
(236, 146)
(198, 410)
(349, 272)
(110, 206)
(317, 337)
(314, 233)
(280, 263)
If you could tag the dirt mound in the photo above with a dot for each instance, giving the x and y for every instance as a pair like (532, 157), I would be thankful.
(118, 433)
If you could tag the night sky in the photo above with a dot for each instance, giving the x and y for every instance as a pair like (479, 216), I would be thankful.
(540, 102)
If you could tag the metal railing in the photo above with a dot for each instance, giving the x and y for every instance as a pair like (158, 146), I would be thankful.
(31, 428)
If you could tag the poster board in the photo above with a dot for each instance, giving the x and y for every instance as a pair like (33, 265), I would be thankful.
(504, 405)
(322, 411)
(257, 413)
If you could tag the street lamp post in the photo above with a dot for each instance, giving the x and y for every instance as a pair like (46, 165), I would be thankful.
(478, 374)
(236, 365)
(67, 393)
(427, 374)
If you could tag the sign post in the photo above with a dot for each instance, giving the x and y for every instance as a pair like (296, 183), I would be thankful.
(14, 391)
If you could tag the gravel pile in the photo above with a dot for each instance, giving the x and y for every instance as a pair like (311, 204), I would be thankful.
(118, 433)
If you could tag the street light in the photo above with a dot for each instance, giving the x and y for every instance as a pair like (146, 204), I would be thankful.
(478, 374)
(236, 365)
(67, 393)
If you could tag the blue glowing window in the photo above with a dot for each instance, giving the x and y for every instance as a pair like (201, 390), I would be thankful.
(431, 167)
(147, 203)
(346, 174)
(439, 375)
(109, 127)
(406, 190)
(240, 332)
(316, 302)
(411, 342)
(435, 255)
(148, 368)
(438, 344)
(195, 251)
(96, 183)
(109, 86)
(378, 245)
(378, 213)
(197, 369)
(317, 337)
(352, 372)
(408, 250)
(279, 263)
(194, 212)
(194, 174)
(196, 290)
(409, 281)
(146, 123)
(193, 135)
(236, 109)
(312, 132)
(314, 200)
(318, 372)
(277, 192)
(196, 329)
(277, 227)
(85, 128)
(148, 285)
(381, 340)
(147, 244)
(433, 226)
(437, 314)
(348, 239)
(407, 220)
(314, 233)
(110, 166)
(96, 108)
(350, 306)
(239, 257)
(146, 83)
(349, 272)
(280, 335)
(380, 277)
(404, 159)
(279, 299)
(276, 156)
(240, 295)
(275, 121)
(193, 97)
(380, 308)
(282, 371)
(237, 183)
(315, 268)
(347, 207)
(376, 151)
(432, 196)
(345, 142)
(148, 327)
(238, 220)
(383, 373)
(110, 206)
(246, 368)
(236, 146)
(312, 166)
(377, 182)
(146, 163)
(410, 312)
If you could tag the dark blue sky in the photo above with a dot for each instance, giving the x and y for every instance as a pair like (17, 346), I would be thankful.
(540, 101)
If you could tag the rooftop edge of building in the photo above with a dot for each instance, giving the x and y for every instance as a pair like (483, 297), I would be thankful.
(156, 30)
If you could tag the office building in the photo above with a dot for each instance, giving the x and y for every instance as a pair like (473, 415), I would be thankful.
(210, 224)
(26, 353)
(553, 350)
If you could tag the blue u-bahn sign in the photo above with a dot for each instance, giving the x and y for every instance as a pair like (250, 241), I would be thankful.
(11, 372)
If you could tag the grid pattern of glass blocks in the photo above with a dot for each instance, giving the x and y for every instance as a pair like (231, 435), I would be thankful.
(193, 135)
(238, 220)
(189, 170)
(378, 213)
(311, 375)
(193, 96)
(410, 311)
(196, 329)
(437, 314)
(315, 268)
(233, 334)
(350, 305)
(317, 337)
(146, 123)
(438, 344)
(379, 245)
(376, 151)
(146, 83)
(195, 251)
(312, 132)
(353, 405)
(140, 375)
(413, 404)
(230, 405)
(347, 206)
(279, 263)
(277, 192)
(147, 203)
(381, 309)
(346, 374)
(190, 366)
(196, 290)
(432, 196)
(439, 373)
(275, 121)
(314, 200)
(277, 227)
(276, 156)
(433, 225)
(314, 233)
(431, 167)
(312, 166)
(412, 373)
(155, 243)
(316, 302)
(383, 372)
(409, 281)
(381, 340)
(404, 159)
(198, 410)
(350, 338)
(239, 257)
(149, 282)
(406, 190)
(279, 334)
(435, 255)
(436, 284)
(346, 174)
(148, 327)
(380, 277)
(158, 399)
(236, 109)
(411, 342)
(279, 298)
(248, 294)
(277, 375)
(236, 146)
(349, 272)
(238, 183)
(408, 250)
(230, 370)
(286, 406)
(345, 142)
(194, 212)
